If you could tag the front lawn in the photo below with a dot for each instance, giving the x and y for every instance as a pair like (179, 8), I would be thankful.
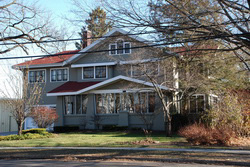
(98, 139)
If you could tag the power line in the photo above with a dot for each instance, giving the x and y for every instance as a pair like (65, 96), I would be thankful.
(137, 47)
(113, 36)
(75, 39)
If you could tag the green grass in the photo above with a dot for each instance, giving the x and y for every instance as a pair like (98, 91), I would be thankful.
(99, 139)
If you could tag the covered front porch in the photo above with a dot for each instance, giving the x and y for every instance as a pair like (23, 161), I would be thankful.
(122, 101)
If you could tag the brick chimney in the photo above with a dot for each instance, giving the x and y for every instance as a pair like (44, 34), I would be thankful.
(87, 38)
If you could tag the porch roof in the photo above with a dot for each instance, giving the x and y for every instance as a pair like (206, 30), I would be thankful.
(74, 88)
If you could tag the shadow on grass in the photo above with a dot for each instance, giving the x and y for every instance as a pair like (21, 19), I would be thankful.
(125, 154)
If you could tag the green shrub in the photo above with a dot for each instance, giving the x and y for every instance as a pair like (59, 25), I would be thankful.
(35, 130)
(27, 136)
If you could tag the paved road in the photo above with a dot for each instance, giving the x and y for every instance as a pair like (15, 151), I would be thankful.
(246, 152)
(48, 163)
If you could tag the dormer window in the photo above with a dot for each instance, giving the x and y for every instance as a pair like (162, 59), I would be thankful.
(120, 47)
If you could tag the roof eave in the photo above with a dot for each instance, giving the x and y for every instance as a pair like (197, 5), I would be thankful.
(37, 66)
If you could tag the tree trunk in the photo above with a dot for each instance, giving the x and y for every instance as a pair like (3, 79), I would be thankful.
(167, 121)
(168, 128)
(20, 127)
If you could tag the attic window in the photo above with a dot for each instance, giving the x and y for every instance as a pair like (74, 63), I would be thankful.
(120, 47)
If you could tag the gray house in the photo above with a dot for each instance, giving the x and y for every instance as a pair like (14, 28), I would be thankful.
(104, 84)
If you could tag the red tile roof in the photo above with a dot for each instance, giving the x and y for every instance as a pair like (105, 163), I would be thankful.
(72, 86)
(60, 57)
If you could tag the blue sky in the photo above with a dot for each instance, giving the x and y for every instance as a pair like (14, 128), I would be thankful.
(60, 9)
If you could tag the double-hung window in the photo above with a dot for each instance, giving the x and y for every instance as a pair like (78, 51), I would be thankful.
(88, 72)
(120, 47)
(100, 72)
(37, 76)
(59, 75)
(95, 72)
(197, 103)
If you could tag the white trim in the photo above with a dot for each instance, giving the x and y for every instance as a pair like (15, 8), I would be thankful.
(37, 66)
(93, 64)
(213, 95)
(46, 105)
(109, 81)
(122, 91)
(62, 74)
(139, 61)
(35, 76)
(123, 47)
(107, 72)
(101, 39)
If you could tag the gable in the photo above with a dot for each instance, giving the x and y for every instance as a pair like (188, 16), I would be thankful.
(99, 50)
(123, 84)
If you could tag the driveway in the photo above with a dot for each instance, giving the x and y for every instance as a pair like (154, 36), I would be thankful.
(48, 163)
(7, 133)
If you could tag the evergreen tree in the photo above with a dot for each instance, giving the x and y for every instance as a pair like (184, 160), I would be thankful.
(80, 45)
(96, 24)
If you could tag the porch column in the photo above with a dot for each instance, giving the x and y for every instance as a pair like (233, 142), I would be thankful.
(90, 115)
(59, 111)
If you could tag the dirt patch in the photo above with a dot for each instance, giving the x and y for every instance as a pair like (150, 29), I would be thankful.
(145, 142)
(241, 142)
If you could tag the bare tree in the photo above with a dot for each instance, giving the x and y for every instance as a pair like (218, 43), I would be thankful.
(189, 22)
(22, 24)
(21, 96)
